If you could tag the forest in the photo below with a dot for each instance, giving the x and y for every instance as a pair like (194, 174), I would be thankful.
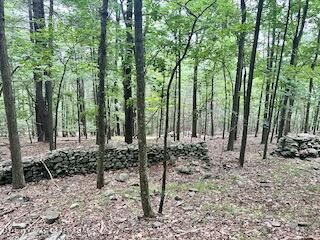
(159, 119)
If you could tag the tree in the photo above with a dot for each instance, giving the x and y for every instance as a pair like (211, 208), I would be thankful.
(18, 180)
(249, 87)
(288, 100)
(273, 98)
(142, 142)
(127, 68)
(237, 87)
(101, 95)
(40, 108)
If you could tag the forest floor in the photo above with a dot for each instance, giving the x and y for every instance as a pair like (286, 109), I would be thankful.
(271, 199)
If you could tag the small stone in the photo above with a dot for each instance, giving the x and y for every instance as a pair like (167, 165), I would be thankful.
(74, 205)
(184, 170)
(188, 209)
(109, 193)
(193, 190)
(51, 216)
(275, 224)
(19, 225)
(303, 224)
(191, 194)
(177, 198)
(207, 176)
(113, 198)
(31, 236)
(119, 220)
(122, 177)
(293, 224)
(156, 224)
(56, 236)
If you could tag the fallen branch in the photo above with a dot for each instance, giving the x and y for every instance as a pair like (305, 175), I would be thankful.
(6, 212)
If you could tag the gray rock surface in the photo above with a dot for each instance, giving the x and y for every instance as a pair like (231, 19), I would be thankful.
(302, 146)
(62, 163)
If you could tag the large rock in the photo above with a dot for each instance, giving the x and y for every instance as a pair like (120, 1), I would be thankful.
(302, 146)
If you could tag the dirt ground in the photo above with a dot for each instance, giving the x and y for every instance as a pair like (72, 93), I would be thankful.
(268, 199)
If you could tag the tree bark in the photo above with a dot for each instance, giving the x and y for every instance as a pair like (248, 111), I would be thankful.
(194, 99)
(284, 117)
(249, 87)
(237, 87)
(38, 25)
(18, 180)
(127, 87)
(101, 95)
(313, 65)
(274, 96)
(142, 143)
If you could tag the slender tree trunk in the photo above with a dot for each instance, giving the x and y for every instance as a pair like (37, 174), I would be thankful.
(18, 180)
(313, 65)
(275, 124)
(237, 87)
(78, 110)
(316, 118)
(284, 117)
(127, 87)
(179, 90)
(101, 95)
(270, 74)
(38, 26)
(211, 107)
(48, 83)
(161, 106)
(274, 96)
(225, 100)
(165, 140)
(259, 111)
(194, 99)
(250, 81)
(139, 57)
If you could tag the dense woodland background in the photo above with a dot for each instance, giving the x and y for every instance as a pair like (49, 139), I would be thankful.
(206, 78)
(239, 75)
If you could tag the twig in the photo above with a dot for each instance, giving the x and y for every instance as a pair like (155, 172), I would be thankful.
(31, 225)
(51, 177)
(6, 212)
(4, 228)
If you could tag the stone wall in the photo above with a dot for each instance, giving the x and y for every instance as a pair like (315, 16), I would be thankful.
(72, 162)
(301, 146)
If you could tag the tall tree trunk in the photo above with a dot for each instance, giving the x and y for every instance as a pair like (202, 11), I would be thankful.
(211, 107)
(18, 180)
(313, 65)
(141, 88)
(316, 118)
(259, 111)
(161, 107)
(194, 99)
(165, 140)
(270, 74)
(274, 96)
(179, 90)
(225, 100)
(249, 87)
(284, 117)
(237, 87)
(101, 95)
(48, 83)
(39, 25)
(127, 86)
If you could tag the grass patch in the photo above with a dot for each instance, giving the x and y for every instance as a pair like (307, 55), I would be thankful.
(201, 186)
